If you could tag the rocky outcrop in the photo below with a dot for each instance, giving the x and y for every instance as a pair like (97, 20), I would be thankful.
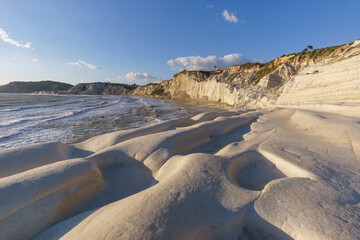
(326, 81)
(156, 89)
(306, 79)
(263, 174)
(328, 75)
(100, 88)
(230, 86)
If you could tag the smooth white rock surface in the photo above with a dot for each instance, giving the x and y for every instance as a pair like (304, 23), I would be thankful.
(273, 174)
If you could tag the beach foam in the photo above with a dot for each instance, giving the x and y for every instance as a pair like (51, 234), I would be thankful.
(29, 118)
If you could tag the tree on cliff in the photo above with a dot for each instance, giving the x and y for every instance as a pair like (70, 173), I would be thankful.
(308, 48)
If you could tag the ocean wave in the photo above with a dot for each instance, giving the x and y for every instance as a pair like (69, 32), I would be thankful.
(77, 113)
(10, 109)
(13, 122)
(76, 118)
(34, 107)
(63, 116)
(8, 135)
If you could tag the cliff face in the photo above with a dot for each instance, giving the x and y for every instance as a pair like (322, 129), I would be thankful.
(322, 76)
(230, 86)
(153, 89)
(101, 89)
(334, 79)
(325, 76)
(205, 86)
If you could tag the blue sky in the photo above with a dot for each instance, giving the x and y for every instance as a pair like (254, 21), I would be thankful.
(143, 41)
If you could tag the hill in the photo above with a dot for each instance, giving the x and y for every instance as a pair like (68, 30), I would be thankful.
(31, 87)
(101, 88)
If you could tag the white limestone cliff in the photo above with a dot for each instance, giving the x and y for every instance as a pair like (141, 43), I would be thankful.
(329, 76)
(318, 79)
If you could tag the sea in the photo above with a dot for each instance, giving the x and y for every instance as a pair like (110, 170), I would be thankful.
(35, 118)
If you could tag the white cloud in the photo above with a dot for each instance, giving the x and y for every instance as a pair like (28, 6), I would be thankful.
(5, 37)
(81, 63)
(34, 59)
(14, 58)
(132, 77)
(229, 17)
(207, 63)
(210, 6)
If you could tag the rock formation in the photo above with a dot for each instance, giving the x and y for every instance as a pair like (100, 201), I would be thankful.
(100, 88)
(327, 76)
(266, 174)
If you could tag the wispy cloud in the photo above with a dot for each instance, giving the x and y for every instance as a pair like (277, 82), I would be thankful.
(207, 63)
(229, 17)
(210, 6)
(5, 37)
(34, 59)
(81, 63)
(133, 77)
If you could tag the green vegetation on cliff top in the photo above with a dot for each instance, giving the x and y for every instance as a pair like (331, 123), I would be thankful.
(313, 55)
(263, 69)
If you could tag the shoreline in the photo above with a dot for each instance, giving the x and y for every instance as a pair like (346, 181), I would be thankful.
(201, 102)
(37, 121)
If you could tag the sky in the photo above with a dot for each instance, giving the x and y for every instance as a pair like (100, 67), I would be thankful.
(142, 41)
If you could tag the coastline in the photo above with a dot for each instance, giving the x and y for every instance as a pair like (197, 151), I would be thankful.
(179, 120)
(33, 118)
(210, 103)
(293, 79)
(284, 167)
